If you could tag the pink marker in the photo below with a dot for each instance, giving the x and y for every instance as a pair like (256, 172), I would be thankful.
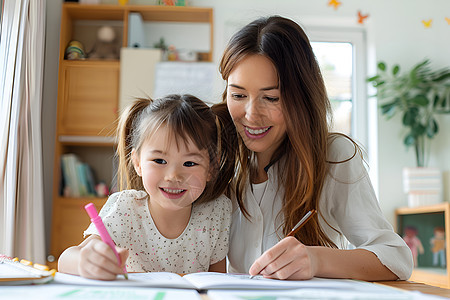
(95, 218)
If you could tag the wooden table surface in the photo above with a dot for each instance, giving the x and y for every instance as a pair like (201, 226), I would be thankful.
(415, 286)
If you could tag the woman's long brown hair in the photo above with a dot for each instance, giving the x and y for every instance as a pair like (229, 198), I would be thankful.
(306, 109)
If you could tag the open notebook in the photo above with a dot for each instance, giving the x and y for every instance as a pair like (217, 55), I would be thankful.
(15, 273)
(204, 281)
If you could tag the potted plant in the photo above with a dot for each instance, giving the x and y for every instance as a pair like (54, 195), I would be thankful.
(418, 95)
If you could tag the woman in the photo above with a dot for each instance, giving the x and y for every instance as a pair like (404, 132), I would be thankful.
(289, 163)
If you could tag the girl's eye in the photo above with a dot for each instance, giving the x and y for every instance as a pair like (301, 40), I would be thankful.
(189, 164)
(160, 161)
(271, 99)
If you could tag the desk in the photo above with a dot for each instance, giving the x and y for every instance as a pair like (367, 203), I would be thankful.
(414, 286)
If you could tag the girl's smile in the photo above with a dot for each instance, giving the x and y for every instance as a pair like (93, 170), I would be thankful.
(172, 193)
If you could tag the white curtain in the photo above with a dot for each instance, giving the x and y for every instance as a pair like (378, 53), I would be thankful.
(21, 179)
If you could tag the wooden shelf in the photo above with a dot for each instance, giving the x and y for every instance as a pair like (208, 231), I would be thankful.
(88, 98)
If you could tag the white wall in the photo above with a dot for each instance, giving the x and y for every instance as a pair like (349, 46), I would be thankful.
(395, 34)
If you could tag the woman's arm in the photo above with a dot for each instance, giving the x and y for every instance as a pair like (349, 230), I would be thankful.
(92, 259)
(290, 259)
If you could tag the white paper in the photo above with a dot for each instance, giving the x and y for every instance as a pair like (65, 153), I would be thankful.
(59, 291)
(370, 292)
(155, 279)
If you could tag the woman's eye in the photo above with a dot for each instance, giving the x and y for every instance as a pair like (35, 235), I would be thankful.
(271, 99)
(238, 96)
(160, 161)
(189, 164)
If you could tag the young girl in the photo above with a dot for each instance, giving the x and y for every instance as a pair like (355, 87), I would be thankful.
(175, 165)
(289, 164)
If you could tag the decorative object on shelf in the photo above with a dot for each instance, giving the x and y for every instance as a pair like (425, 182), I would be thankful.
(418, 95)
(106, 46)
(172, 2)
(90, 1)
(102, 189)
(423, 186)
(172, 53)
(123, 2)
(74, 50)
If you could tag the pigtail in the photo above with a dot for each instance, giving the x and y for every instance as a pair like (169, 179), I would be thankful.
(227, 146)
(127, 178)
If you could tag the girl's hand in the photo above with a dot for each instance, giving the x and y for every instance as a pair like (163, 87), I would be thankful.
(98, 261)
(289, 259)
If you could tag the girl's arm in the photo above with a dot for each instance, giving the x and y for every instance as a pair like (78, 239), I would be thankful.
(290, 259)
(92, 259)
(219, 267)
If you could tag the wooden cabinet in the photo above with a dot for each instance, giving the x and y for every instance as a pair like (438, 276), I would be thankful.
(89, 98)
(431, 226)
(88, 93)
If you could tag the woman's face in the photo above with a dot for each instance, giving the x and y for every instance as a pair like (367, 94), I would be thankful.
(254, 103)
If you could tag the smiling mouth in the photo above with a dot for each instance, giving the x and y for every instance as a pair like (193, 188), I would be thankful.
(173, 193)
(256, 133)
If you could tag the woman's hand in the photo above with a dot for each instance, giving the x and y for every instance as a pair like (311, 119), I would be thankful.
(289, 259)
(98, 261)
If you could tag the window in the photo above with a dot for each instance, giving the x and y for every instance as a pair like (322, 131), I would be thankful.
(341, 55)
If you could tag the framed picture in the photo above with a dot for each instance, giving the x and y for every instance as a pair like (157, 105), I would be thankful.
(426, 232)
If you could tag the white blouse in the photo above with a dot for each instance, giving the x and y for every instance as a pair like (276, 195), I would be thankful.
(203, 242)
(348, 203)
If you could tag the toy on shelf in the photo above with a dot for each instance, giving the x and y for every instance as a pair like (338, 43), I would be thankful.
(413, 242)
(438, 246)
(106, 46)
(74, 50)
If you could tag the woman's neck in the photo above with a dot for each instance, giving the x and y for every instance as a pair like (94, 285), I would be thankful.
(170, 223)
(262, 160)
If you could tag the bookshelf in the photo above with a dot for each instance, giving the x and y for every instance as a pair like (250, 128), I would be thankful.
(88, 99)
(425, 219)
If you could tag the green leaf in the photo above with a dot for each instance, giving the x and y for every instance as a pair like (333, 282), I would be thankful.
(443, 76)
(409, 140)
(388, 108)
(418, 130)
(374, 78)
(377, 84)
(382, 66)
(432, 128)
(409, 117)
(420, 100)
(395, 70)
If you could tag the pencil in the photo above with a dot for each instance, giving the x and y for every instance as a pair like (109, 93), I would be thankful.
(297, 227)
(302, 222)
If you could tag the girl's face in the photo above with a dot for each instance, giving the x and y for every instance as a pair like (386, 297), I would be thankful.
(254, 103)
(174, 176)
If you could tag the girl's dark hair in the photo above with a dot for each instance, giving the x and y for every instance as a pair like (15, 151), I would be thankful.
(306, 110)
(189, 119)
